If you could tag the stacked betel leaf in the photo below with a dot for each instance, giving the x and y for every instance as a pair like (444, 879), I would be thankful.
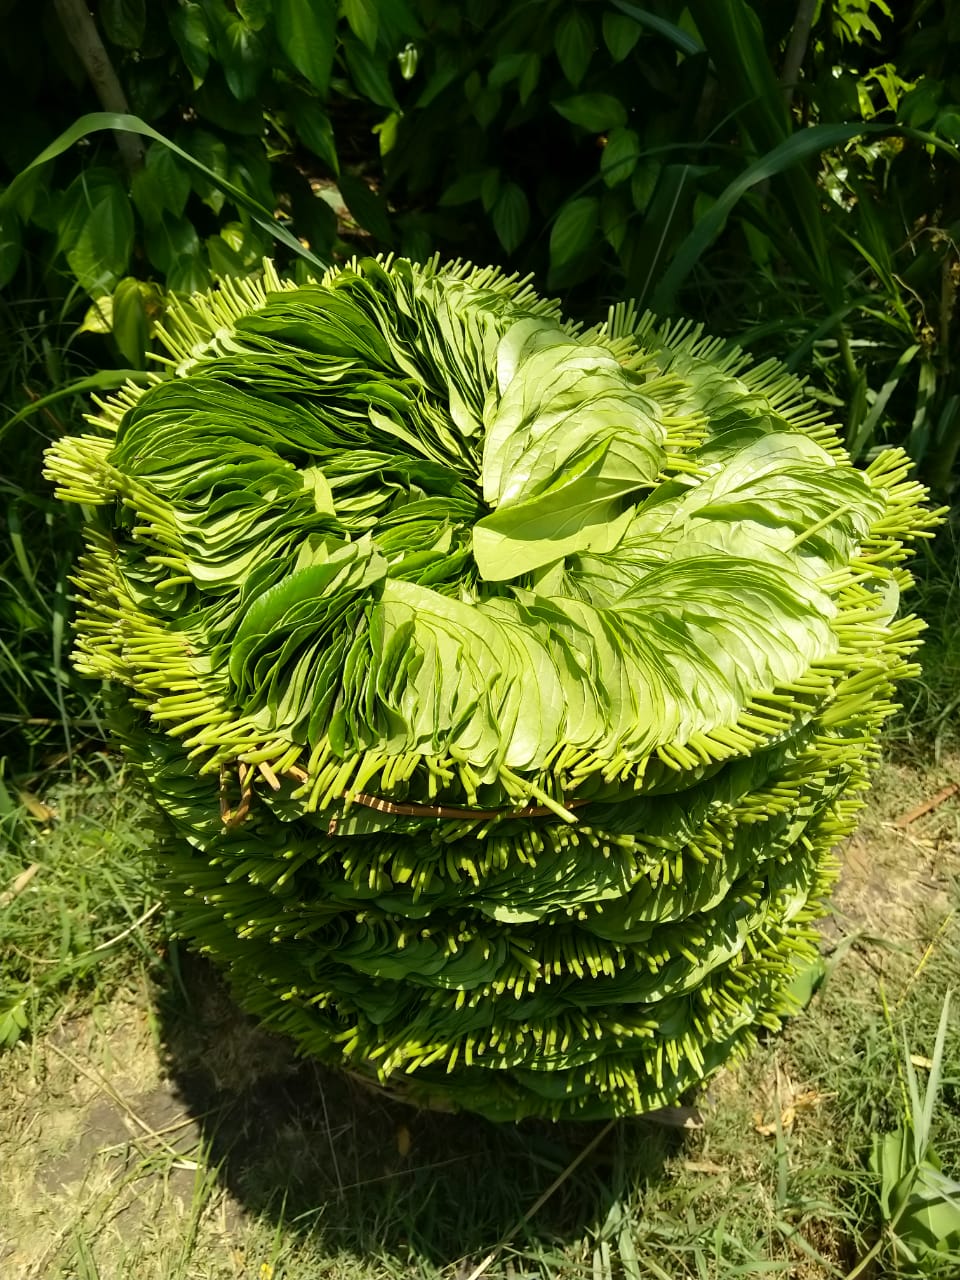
(505, 685)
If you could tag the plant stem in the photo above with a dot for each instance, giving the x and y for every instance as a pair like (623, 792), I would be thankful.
(865, 1261)
(797, 46)
(81, 30)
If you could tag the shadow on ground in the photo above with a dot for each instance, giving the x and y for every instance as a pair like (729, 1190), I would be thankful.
(297, 1143)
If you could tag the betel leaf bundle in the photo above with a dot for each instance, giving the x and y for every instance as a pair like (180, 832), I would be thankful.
(505, 685)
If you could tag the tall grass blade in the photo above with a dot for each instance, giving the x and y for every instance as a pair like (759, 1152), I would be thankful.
(865, 431)
(105, 380)
(682, 39)
(792, 151)
(925, 1124)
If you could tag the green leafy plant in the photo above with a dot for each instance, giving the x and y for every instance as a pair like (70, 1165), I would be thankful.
(242, 88)
(920, 1205)
(43, 703)
(505, 685)
(660, 151)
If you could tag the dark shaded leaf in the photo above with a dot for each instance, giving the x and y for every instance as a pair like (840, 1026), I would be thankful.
(464, 189)
(575, 230)
(594, 111)
(919, 107)
(369, 208)
(215, 102)
(307, 35)
(511, 215)
(573, 41)
(485, 106)
(189, 27)
(224, 260)
(370, 74)
(188, 274)
(124, 21)
(506, 68)
(242, 56)
(676, 35)
(529, 77)
(620, 155)
(314, 127)
(255, 13)
(363, 19)
(616, 211)
(162, 185)
(207, 181)
(644, 183)
(170, 241)
(490, 188)
(620, 34)
(313, 218)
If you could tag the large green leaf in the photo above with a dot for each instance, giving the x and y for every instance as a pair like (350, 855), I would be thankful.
(364, 21)
(95, 229)
(620, 156)
(162, 185)
(129, 322)
(511, 215)
(170, 242)
(124, 21)
(243, 56)
(370, 74)
(579, 513)
(314, 127)
(367, 206)
(575, 230)
(189, 26)
(620, 34)
(307, 35)
(593, 111)
(573, 41)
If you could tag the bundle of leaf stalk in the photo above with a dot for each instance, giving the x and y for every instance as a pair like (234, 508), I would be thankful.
(505, 686)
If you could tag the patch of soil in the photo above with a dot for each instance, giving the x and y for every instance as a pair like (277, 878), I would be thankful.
(897, 875)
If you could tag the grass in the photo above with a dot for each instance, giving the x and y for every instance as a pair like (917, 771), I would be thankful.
(148, 1129)
(73, 896)
(43, 702)
(930, 717)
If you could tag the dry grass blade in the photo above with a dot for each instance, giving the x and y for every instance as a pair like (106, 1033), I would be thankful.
(19, 884)
(36, 807)
(142, 919)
